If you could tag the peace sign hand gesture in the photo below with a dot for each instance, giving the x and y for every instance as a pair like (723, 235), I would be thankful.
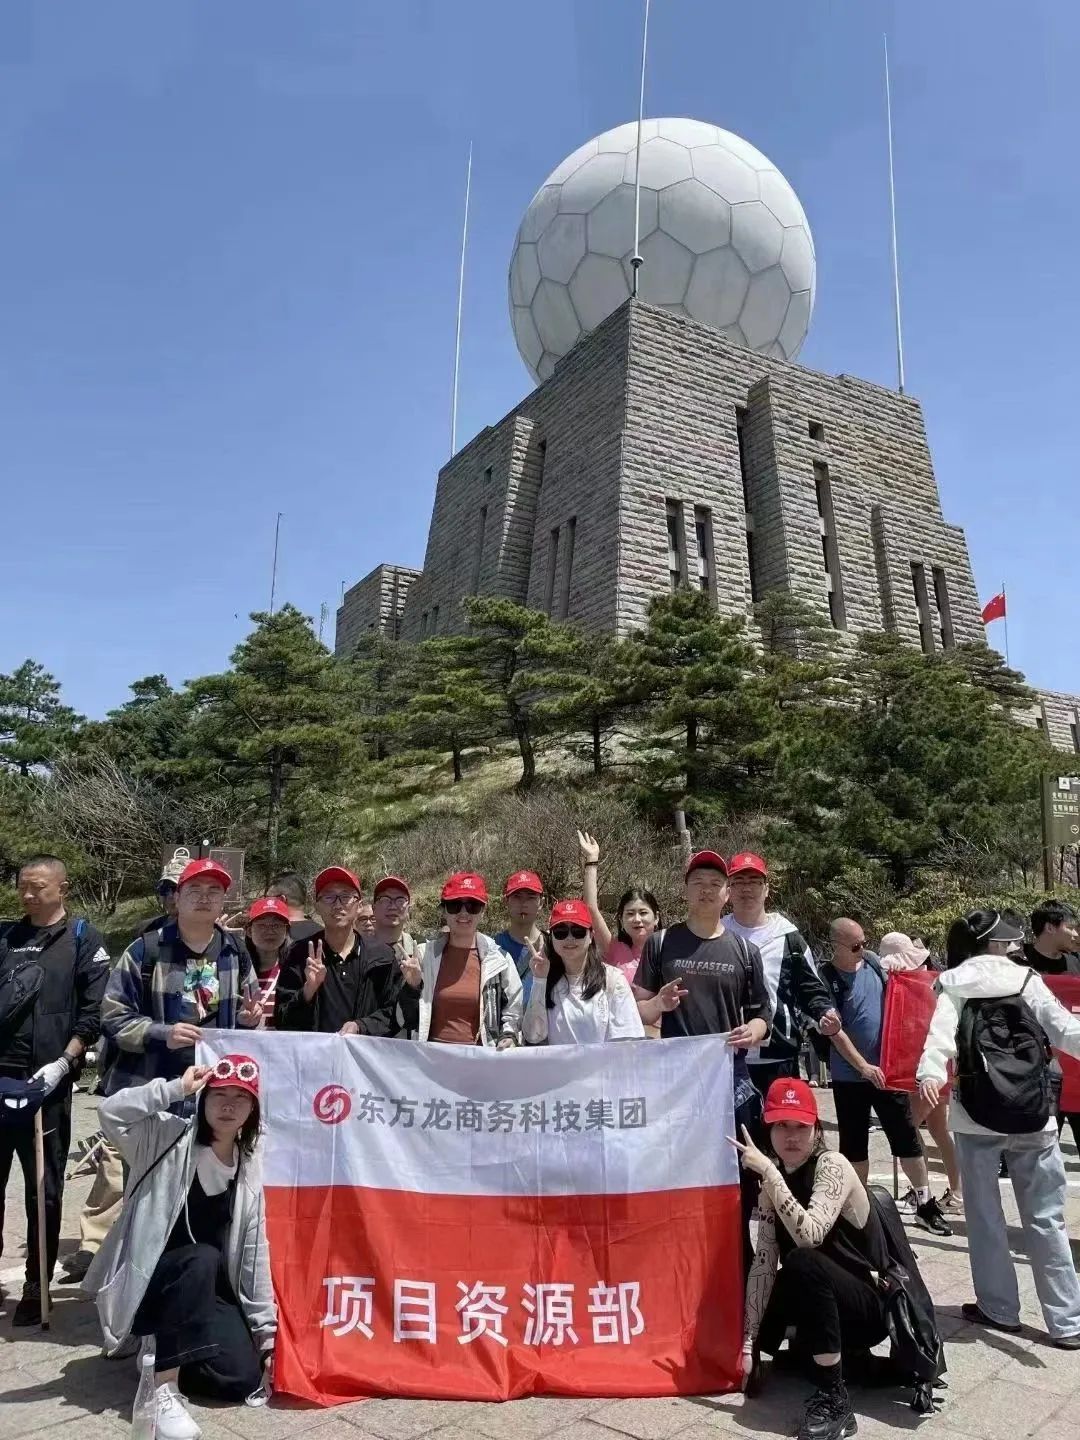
(314, 970)
(752, 1158)
(672, 995)
(539, 963)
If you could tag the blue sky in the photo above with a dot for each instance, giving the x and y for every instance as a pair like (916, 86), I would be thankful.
(229, 256)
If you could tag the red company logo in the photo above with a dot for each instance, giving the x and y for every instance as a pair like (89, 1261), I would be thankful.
(332, 1104)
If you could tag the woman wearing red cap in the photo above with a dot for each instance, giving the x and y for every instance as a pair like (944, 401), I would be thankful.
(461, 989)
(267, 931)
(819, 1244)
(186, 1266)
(579, 1000)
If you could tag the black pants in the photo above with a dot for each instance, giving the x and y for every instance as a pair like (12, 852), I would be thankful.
(19, 1140)
(854, 1099)
(1074, 1126)
(749, 1114)
(766, 1071)
(191, 1310)
(831, 1308)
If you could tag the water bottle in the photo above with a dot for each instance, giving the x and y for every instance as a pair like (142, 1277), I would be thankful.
(144, 1411)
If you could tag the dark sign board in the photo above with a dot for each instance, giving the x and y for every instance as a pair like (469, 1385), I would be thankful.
(1061, 811)
(175, 857)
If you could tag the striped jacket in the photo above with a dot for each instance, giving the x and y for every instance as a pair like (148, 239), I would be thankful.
(144, 997)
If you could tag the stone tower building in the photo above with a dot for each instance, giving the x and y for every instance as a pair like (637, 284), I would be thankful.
(659, 455)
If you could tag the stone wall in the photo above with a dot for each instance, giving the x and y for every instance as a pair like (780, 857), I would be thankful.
(373, 603)
(1057, 715)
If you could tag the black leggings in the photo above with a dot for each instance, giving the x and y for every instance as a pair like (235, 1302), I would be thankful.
(831, 1308)
(190, 1309)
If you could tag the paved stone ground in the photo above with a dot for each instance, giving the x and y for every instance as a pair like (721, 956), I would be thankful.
(1000, 1387)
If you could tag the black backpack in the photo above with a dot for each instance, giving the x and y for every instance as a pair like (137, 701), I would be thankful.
(1002, 1075)
(917, 1355)
(21, 983)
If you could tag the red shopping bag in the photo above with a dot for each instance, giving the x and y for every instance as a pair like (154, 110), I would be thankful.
(909, 1008)
(1066, 988)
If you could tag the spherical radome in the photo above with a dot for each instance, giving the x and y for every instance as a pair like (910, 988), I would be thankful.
(723, 239)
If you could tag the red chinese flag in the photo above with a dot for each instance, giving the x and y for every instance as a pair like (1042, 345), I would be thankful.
(909, 1008)
(1066, 988)
(994, 609)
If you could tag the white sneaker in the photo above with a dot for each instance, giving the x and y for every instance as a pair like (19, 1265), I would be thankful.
(174, 1421)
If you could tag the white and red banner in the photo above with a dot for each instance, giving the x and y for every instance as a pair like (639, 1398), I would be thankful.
(456, 1223)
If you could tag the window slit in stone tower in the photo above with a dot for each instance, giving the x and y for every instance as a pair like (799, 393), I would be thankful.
(829, 552)
(676, 566)
(552, 569)
(744, 472)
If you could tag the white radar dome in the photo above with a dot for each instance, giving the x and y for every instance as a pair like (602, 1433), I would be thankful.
(723, 240)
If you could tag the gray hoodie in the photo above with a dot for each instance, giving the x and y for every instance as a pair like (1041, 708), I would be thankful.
(989, 977)
(137, 1122)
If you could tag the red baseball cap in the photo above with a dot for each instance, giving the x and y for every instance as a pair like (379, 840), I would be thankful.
(706, 860)
(790, 1100)
(465, 885)
(745, 863)
(391, 882)
(576, 912)
(204, 870)
(524, 880)
(335, 874)
(239, 1070)
(269, 905)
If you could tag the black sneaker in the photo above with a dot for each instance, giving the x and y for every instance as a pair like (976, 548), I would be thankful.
(974, 1316)
(28, 1310)
(1067, 1342)
(829, 1415)
(931, 1217)
(75, 1268)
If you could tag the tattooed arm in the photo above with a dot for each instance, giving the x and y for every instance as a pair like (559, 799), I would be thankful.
(762, 1277)
(832, 1182)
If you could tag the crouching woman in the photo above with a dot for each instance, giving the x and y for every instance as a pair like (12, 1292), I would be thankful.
(186, 1267)
(818, 1245)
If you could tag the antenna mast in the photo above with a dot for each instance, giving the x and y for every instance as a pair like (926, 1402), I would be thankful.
(273, 573)
(460, 303)
(636, 260)
(892, 217)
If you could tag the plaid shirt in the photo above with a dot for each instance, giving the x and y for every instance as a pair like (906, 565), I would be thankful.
(144, 997)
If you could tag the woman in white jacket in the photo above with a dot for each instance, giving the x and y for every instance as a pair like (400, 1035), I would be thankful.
(577, 999)
(980, 970)
(186, 1268)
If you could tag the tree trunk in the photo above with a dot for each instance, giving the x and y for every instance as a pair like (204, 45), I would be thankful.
(528, 755)
(455, 750)
(273, 813)
(597, 757)
(691, 755)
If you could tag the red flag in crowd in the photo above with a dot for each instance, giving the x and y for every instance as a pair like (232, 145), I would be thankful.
(994, 609)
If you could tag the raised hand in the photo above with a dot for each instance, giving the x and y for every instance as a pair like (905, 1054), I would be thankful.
(251, 1012)
(751, 1157)
(672, 994)
(412, 972)
(182, 1035)
(590, 848)
(314, 970)
(539, 963)
(195, 1077)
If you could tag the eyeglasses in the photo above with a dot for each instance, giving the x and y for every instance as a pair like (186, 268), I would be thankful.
(247, 1071)
(563, 932)
(338, 898)
(455, 907)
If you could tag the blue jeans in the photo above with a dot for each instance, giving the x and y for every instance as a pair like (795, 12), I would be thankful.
(1037, 1173)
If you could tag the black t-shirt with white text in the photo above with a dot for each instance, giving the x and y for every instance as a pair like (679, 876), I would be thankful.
(723, 978)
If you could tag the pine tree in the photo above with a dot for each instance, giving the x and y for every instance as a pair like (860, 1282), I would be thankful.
(508, 638)
(35, 726)
(278, 724)
(449, 707)
(708, 717)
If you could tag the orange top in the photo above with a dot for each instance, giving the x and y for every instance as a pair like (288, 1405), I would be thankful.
(455, 1006)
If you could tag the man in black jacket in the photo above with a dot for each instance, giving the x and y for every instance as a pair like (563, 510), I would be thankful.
(340, 982)
(53, 970)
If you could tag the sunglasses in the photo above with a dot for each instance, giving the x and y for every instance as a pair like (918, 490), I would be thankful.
(563, 932)
(455, 907)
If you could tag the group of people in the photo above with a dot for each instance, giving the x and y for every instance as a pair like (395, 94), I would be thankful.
(173, 1243)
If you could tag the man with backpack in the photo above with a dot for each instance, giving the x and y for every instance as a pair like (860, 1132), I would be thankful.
(53, 969)
(857, 983)
(795, 987)
(172, 983)
(993, 1017)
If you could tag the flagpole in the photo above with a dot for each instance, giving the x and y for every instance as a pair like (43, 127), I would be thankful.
(460, 303)
(892, 219)
(1005, 617)
(636, 259)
